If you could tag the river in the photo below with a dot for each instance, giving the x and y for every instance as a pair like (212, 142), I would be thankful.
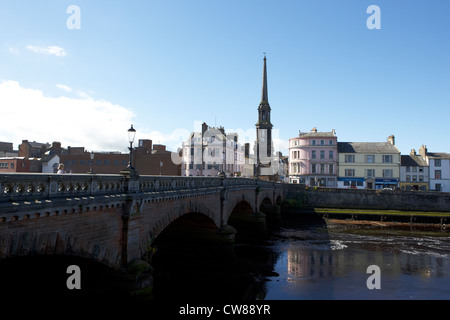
(310, 259)
(330, 262)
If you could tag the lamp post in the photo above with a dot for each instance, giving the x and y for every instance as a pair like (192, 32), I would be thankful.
(91, 155)
(131, 135)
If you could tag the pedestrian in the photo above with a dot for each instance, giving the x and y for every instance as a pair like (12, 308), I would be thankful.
(61, 169)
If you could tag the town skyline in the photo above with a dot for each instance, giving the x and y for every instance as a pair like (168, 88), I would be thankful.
(326, 69)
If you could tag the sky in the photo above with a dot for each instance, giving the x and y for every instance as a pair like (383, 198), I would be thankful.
(82, 76)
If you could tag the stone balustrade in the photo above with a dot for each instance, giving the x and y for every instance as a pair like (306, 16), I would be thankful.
(37, 186)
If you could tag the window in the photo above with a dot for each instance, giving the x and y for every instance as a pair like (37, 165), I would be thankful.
(313, 168)
(408, 169)
(322, 168)
(192, 151)
(408, 178)
(437, 162)
(414, 169)
(414, 178)
(421, 178)
(438, 187)
(98, 162)
(387, 158)
(420, 169)
(313, 154)
(437, 174)
(349, 158)
(349, 172)
(330, 142)
(314, 142)
(330, 154)
(370, 172)
(322, 154)
(12, 165)
(330, 168)
(322, 142)
(370, 158)
(388, 173)
(191, 166)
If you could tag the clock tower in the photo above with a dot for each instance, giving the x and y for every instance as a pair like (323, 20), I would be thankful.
(263, 145)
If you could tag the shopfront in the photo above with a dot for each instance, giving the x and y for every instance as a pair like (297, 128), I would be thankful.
(386, 183)
(351, 183)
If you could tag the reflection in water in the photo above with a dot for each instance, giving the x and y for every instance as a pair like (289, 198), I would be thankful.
(309, 259)
(414, 264)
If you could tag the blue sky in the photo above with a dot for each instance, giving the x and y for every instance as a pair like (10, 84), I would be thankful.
(168, 64)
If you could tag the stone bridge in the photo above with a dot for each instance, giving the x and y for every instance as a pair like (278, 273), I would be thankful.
(113, 219)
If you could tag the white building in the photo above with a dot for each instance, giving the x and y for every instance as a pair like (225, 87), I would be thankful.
(211, 151)
(50, 163)
(439, 169)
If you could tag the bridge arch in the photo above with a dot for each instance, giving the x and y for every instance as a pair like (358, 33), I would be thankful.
(264, 203)
(69, 232)
(190, 227)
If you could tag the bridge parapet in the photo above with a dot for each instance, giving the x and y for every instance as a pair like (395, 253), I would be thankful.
(37, 186)
(21, 187)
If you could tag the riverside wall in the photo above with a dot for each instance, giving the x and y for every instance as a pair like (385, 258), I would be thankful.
(369, 199)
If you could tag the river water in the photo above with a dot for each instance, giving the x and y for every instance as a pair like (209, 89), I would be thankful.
(331, 261)
(310, 259)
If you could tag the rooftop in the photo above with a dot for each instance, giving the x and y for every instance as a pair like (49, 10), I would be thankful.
(367, 147)
(438, 155)
(413, 161)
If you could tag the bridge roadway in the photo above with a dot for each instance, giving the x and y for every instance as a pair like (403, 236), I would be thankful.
(113, 219)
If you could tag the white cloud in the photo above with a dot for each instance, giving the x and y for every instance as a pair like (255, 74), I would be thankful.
(64, 87)
(49, 50)
(93, 124)
(13, 50)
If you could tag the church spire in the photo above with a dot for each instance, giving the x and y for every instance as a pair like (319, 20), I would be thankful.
(264, 97)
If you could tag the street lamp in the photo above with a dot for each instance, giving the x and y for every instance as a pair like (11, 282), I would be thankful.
(91, 155)
(131, 135)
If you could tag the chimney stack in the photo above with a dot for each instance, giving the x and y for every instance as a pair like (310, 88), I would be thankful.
(391, 140)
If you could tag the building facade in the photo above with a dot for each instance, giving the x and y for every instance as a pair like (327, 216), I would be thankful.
(369, 165)
(439, 169)
(33, 149)
(413, 172)
(313, 159)
(210, 152)
(20, 164)
(148, 159)
(6, 150)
